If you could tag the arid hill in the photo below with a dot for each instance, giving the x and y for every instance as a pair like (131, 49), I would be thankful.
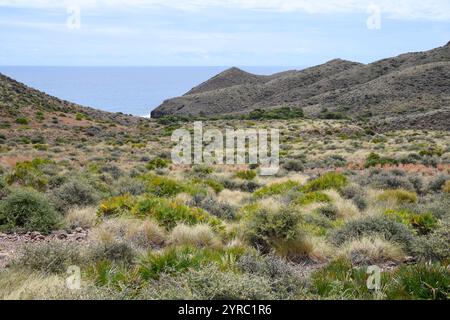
(17, 100)
(410, 89)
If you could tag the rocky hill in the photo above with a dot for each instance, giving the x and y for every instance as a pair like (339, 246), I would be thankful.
(416, 85)
(19, 100)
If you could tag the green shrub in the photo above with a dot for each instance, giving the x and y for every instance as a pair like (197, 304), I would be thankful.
(30, 174)
(27, 210)
(398, 196)
(312, 197)
(23, 121)
(277, 113)
(117, 206)
(266, 230)
(246, 174)
(174, 260)
(79, 116)
(339, 280)
(74, 193)
(276, 189)
(422, 281)
(170, 213)
(294, 165)
(330, 180)
(389, 229)
(157, 163)
(374, 160)
(202, 171)
(163, 186)
(423, 223)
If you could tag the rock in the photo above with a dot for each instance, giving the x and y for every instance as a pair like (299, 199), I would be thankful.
(61, 236)
(79, 230)
(35, 234)
(410, 260)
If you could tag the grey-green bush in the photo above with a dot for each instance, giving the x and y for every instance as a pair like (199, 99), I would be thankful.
(27, 210)
(74, 193)
(391, 230)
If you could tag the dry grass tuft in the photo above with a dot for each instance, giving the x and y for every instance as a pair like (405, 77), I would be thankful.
(85, 218)
(371, 250)
(200, 235)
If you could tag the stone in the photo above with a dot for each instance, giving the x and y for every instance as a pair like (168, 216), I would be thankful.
(79, 230)
(35, 234)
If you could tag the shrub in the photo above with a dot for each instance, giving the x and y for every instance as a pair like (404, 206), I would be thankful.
(423, 223)
(74, 193)
(329, 180)
(157, 163)
(163, 186)
(373, 226)
(202, 170)
(30, 174)
(219, 209)
(374, 160)
(246, 174)
(446, 187)
(117, 206)
(266, 230)
(23, 121)
(422, 281)
(276, 189)
(434, 246)
(27, 210)
(209, 283)
(115, 251)
(357, 194)
(438, 183)
(54, 257)
(312, 197)
(3, 188)
(388, 180)
(128, 185)
(169, 213)
(174, 260)
(284, 280)
(294, 165)
(339, 280)
(398, 196)
(277, 113)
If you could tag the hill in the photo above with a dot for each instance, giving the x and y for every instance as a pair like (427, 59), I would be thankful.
(412, 84)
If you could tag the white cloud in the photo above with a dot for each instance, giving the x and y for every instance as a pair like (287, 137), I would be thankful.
(396, 9)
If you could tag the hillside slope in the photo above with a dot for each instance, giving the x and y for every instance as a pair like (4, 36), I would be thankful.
(19, 100)
(412, 84)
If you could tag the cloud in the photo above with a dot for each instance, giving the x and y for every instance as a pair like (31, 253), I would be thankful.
(395, 9)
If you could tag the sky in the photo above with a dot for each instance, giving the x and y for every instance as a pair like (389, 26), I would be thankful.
(216, 32)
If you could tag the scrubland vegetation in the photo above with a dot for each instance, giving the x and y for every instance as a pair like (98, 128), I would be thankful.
(345, 198)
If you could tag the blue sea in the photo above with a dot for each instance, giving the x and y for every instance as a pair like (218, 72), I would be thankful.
(131, 90)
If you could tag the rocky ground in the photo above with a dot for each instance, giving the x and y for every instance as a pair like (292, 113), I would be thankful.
(10, 244)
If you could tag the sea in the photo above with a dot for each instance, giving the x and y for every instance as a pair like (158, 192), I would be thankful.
(130, 90)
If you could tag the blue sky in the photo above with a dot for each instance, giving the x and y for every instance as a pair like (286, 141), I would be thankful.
(216, 32)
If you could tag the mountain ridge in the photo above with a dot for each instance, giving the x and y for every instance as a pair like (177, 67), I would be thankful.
(406, 84)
